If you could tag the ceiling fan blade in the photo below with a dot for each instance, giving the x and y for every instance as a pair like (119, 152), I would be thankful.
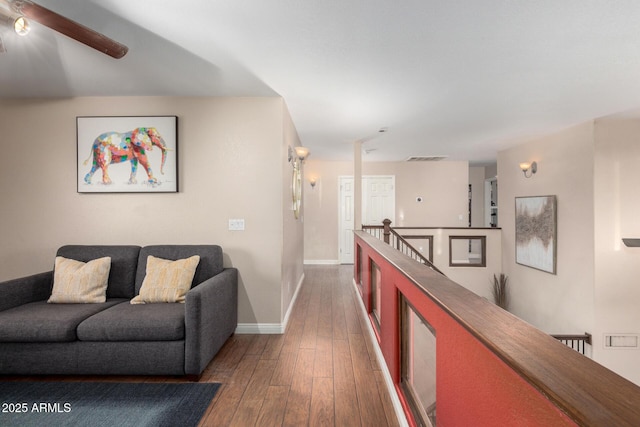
(71, 29)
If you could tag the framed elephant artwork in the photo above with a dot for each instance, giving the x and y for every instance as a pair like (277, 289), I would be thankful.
(133, 154)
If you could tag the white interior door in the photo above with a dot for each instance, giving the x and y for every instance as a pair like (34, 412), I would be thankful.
(378, 199)
(345, 223)
(378, 203)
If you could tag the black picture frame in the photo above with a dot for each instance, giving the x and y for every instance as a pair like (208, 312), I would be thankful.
(127, 154)
(537, 232)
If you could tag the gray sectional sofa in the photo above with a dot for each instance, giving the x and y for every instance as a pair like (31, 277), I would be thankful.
(116, 337)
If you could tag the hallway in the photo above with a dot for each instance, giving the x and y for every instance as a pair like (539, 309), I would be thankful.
(322, 371)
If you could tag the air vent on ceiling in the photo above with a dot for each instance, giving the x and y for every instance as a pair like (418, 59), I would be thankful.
(425, 158)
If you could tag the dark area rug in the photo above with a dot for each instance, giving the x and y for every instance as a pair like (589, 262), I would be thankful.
(104, 403)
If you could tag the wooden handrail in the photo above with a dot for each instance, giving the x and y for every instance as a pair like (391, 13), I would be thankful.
(447, 228)
(588, 393)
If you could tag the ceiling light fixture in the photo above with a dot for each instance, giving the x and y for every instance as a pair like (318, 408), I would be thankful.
(21, 26)
(13, 18)
(19, 14)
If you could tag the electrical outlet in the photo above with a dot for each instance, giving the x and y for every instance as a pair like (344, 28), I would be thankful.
(236, 224)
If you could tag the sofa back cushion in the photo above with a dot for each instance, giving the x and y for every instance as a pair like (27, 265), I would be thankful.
(210, 260)
(124, 260)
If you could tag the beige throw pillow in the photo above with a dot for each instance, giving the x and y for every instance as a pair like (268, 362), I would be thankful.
(166, 280)
(79, 282)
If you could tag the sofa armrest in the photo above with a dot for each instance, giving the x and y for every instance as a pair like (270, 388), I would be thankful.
(211, 317)
(25, 290)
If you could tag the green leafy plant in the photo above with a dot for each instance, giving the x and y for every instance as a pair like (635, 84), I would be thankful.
(500, 290)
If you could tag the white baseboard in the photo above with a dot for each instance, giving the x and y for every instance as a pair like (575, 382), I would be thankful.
(271, 328)
(321, 262)
(285, 321)
(397, 406)
(260, 328)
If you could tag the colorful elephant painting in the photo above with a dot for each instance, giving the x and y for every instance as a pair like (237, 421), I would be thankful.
(115, 147)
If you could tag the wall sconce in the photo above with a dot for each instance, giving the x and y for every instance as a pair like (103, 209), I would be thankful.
(313, 180)
(302, 153)
(529, 169)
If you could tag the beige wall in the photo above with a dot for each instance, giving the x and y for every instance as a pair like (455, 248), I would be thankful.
(442, 185)
(491, 171)
(230, 166)
(476, 179)
(321, 209)
(617, 267)
(292, 228)
(560, 303)
(592, 168)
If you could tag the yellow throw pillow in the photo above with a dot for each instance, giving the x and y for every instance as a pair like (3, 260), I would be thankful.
(166, 280)
(79, 282)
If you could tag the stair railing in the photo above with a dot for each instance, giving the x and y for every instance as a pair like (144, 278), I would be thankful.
(576, 342)
(394, 239)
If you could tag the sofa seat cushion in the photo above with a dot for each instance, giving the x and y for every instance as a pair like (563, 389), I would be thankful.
(141, 322)
(42, 322)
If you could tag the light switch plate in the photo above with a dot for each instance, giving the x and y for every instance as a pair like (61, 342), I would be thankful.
(236, 224)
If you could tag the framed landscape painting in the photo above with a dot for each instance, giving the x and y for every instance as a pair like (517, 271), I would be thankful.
(536, 232)
(133, 154)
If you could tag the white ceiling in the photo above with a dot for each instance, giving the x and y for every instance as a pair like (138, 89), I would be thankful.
(457, 78)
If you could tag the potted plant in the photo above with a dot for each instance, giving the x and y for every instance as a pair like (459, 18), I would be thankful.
(500, 290)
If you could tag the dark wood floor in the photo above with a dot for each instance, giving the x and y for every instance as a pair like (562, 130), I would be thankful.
(322, 372)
